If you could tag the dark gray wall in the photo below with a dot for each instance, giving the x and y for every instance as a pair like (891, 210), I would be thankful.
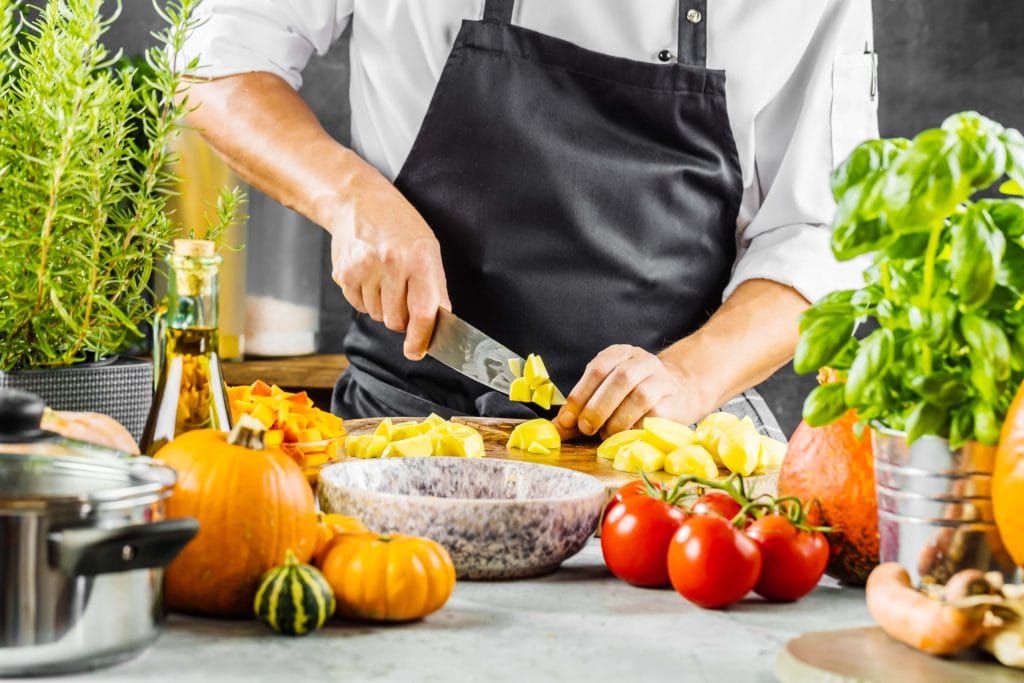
(936, 57)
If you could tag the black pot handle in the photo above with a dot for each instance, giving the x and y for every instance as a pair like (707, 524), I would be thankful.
(88, 551)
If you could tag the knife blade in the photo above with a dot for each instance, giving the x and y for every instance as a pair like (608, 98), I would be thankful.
(469, 351)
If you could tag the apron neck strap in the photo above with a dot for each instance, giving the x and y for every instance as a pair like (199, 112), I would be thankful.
(693, 33)
(693, 27)
(499, 11)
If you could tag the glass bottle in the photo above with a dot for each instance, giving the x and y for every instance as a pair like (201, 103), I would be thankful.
(190, 389)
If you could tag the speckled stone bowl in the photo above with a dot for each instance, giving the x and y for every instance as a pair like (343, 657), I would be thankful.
(499, 519)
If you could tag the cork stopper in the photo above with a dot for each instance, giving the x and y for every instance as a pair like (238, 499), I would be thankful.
(195, 248)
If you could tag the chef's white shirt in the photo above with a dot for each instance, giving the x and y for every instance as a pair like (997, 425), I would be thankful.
(799, 82)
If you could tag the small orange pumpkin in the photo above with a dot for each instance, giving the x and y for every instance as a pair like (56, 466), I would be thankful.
(253, 505)
(388, 577)
(1008, 480)
(330, 525)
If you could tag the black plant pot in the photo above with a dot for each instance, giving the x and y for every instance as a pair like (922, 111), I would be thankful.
(119, 386)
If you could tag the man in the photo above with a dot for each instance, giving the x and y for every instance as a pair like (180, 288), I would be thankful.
(638, 192)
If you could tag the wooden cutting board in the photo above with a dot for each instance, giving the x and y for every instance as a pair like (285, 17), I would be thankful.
(868, 655)
(580, 456)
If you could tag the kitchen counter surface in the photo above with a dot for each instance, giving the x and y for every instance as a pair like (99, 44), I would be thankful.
(578, 624)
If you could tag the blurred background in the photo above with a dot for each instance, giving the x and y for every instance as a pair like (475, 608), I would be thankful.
(936, 57)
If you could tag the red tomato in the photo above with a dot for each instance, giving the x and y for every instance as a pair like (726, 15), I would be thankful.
(717, 503)
(793, 559)
(711, 562)
(634, 539)
(633, 488)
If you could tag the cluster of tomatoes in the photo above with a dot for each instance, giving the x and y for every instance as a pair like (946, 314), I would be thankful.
(718, 550)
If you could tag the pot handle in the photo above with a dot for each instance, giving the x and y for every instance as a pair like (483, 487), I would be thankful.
(88, 551)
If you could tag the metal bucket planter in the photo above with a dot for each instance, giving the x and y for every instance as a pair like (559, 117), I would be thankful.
(119, 386)
(935, 508)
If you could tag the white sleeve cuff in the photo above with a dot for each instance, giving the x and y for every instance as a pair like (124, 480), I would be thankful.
(799, 256)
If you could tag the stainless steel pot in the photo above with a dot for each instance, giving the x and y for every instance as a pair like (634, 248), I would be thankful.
(935, 507)
(83, 543)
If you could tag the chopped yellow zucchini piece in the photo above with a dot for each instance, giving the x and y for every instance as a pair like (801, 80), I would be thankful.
(535, 447)
(691, 459)
(543, 394)
(516, 367)
(610, 446)
(414, 446)
(740, 449)
(773, 452)
(520, 391)
(534, 372)
(385, 429)
(538, 431)
(667, 435)
(639, 456)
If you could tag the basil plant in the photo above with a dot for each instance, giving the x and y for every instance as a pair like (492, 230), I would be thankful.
(945, 285)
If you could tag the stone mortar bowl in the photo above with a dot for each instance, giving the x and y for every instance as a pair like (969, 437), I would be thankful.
(498, 519)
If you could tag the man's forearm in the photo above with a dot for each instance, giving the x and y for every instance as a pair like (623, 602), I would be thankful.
(751, 336)
(268, 134)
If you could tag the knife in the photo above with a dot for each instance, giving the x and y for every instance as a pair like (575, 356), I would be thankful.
(466, 349)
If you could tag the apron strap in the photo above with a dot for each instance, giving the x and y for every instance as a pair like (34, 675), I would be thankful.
(499, 11)
(693, 33)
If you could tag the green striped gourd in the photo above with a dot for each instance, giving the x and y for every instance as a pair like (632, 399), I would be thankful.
(294, 598)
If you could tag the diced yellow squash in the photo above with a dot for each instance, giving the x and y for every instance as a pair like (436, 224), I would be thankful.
(434, 420)
(543, 394)
(610, 446)
(404, 430)
(534, 371)
(667, 435)
(711, 428)
(740, 449)
(355, 445)
(516, 366)
(691, 459)
(773, 452)
(538, 431)
(375, 447)
(414, 447)
(520, 390)
(639, 456)
(385, 429)
(461, 445)
(537, 448)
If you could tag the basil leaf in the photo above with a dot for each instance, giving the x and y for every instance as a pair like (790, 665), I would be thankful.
(860, 236)
(923, 419)
(824, 404)
(1011, 268)
(976, 250)
(820, 343)
(873, 357)
(1017, 349)
(1014, 143)
(1006, 214)
(961, 427)
(986, 425)
(989, 346)
(907, 245)
(833, 305)
(1012, 187)
(865, 162)
(941, 389)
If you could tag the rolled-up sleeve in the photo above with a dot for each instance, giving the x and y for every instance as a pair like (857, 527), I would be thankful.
(276, 36)
(826, 107)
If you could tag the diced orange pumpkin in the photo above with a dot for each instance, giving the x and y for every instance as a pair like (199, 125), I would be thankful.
(264, 414)
(260, 388)
(308, 435)
(273, 437)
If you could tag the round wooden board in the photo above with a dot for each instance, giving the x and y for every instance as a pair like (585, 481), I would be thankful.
(868, 655)
(580, 456)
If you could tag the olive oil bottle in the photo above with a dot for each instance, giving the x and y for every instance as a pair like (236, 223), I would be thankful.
(190, 390)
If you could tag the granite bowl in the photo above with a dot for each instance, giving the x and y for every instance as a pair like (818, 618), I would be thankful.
(499, 519)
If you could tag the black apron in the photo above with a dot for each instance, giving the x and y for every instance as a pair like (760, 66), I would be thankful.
(580, 200)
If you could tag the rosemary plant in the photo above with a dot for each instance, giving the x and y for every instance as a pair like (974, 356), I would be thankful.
(84, 179)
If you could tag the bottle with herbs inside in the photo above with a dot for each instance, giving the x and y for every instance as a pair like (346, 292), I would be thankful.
(190, 389)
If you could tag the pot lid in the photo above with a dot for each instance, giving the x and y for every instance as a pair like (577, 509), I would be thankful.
(40, 469)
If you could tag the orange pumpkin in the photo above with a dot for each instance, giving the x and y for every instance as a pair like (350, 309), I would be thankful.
(253, 505)
(835, 467)
(96, 428)
(1008, 480)
(330, 525)
(388, 577)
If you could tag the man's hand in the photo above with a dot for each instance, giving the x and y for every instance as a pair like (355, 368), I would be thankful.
(388, 262)
(752, 335)
(623, 385)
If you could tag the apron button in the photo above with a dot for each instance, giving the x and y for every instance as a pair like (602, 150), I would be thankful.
(694, 16)
(665, 56)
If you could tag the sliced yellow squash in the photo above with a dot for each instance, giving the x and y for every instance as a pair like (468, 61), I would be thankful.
(609, 448)
(639, 456)
(667, 435)
(691, 459)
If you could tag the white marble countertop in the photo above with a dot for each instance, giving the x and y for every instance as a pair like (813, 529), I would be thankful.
(578, 624)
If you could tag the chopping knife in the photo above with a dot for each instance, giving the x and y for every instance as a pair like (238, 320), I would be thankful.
(466, 349)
